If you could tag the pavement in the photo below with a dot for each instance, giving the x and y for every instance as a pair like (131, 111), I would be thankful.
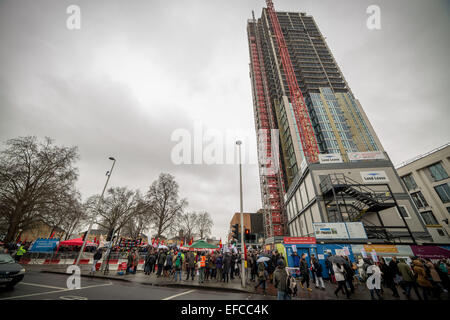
(232, 287)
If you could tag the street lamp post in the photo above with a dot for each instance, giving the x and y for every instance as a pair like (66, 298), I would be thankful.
(243, 278)
(95, 212)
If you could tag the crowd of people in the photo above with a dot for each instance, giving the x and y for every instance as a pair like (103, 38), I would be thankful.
(427, 278)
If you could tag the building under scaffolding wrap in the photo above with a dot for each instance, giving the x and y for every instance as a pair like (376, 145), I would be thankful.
(312, 132)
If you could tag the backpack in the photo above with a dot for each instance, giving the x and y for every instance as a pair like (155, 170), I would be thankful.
(177, 262)
(291, 284)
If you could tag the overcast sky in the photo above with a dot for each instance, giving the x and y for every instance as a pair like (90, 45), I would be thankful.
(138, 70)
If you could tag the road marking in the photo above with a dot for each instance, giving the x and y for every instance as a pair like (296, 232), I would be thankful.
(41, 285)
(35, 294)
(177, 295)
(55, 291)
(73, 298)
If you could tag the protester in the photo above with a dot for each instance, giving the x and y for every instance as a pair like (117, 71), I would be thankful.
(190, 265)
(388, 277)
(262, 277)
(304, 272)
(219, 267)
(20, 252)
(280, 277)
(374, 280)
(316, 269)
(349, 274)
(149, 266)
(161, 261)
(212, 266)
(202, 267)
(168, 264)
(330, 268)
(226, 267)
(361, 270)
(408, 281)
(435, 279)
(296, 262)
(97, 257)
(422, 280)
(442, 271)
(177, 262)
(339, 275)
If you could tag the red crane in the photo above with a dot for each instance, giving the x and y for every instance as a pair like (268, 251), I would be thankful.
(307, 137)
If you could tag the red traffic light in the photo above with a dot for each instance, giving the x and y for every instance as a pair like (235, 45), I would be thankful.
(247, 231)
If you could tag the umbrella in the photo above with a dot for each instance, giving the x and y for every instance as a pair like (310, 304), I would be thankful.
(262, 259)
(161, 246)
(336, 259)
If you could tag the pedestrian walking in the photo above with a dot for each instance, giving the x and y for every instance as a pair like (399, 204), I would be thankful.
(304, 272)
(97, 257)
(19, 254)
(361, 269)
(280, 281)
(330, 268)
(408, 281)
(316, 269)
(421, 278)
(349, 274)
(262, 277)
(434, 278)
(388, 276)
(374, 281)
(296, 262)
(339, 275)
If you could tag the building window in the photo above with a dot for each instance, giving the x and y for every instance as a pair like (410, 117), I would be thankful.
(438, 172)
(419, 200)
(440, 232)
(409, 181)
(429, 218)
(404, 212)
(444, 192)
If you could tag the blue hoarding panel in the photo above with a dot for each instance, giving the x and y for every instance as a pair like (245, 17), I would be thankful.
(44, 245)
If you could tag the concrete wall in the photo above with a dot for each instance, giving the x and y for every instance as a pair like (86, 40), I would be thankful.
(425, 184)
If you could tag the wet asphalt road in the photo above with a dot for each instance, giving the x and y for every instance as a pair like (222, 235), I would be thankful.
(48, 286)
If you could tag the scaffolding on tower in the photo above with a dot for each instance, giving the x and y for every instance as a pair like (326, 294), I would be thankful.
(272, 187)
(303, 121)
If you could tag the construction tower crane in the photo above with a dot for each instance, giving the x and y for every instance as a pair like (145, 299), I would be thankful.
(306, 132)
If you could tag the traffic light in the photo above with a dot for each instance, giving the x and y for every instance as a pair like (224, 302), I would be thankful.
(235, 231)
(247, 234)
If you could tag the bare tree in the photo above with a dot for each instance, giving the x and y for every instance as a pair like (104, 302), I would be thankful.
(204, 223)
(163, 201)
(140, 222)
(117, 209)
(33, 177)
(186, 222)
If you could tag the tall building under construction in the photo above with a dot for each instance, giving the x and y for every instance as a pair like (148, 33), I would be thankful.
(330, 164)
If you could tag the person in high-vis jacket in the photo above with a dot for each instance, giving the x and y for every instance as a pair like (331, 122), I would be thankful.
(201, 267)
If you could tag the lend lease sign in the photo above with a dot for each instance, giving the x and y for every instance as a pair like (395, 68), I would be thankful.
(374, 176)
